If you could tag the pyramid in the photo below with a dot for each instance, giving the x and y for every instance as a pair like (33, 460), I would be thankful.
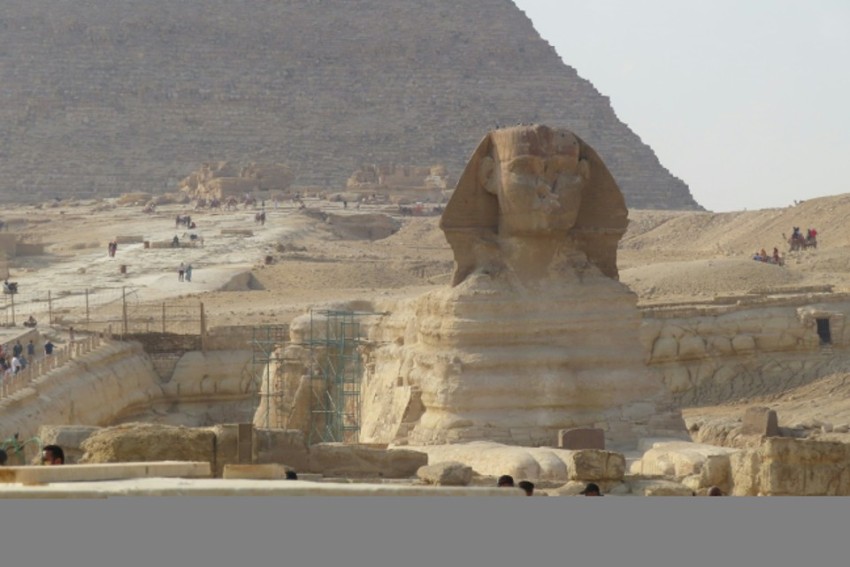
(105, 97)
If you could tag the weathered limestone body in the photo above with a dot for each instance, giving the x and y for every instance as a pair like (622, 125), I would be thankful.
(535, 334)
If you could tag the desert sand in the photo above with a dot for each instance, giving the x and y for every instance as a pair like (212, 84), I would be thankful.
(331, 256)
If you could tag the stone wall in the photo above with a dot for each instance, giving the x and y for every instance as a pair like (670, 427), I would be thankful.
(118, 382)
(741, 351)
(112, 96)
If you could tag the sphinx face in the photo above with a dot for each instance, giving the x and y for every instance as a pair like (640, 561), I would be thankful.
(538, 186)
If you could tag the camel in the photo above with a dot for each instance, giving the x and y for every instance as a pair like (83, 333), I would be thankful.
(800, 243)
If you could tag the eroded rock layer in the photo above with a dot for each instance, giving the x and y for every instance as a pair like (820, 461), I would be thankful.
(479, 361)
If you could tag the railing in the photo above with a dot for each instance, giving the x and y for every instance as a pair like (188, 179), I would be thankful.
(9, 384)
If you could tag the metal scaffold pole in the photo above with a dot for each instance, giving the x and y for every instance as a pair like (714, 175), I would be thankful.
(268, 345)
(335, 376)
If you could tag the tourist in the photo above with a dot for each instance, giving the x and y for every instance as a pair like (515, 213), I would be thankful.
(505, 481)
(180, 271)
(16, 364)
(31, 322)
(18, 348)
(52, 455)
(527, 486)
(48, 348)
(31, 349)
(175, 242)
(188, 272)
(592, 489)
(715, 491)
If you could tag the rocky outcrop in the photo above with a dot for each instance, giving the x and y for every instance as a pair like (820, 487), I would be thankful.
(792, 467)
(117, 382)
(140, 442)
(112, 97)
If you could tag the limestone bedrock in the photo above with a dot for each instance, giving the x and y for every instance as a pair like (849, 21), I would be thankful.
(535, 334)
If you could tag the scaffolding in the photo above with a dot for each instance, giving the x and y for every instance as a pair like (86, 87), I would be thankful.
(335, 376)
(268, 344)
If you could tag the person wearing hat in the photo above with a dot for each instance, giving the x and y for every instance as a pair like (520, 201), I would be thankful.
(592, 489)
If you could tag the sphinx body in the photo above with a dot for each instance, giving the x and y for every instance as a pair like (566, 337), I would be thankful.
(536, 333)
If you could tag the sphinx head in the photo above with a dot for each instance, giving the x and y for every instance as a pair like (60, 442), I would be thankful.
(534, 181)
(537, 175)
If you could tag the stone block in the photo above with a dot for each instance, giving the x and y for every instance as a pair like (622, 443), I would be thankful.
(272, 471)
(680, 459)
(691, 347)
(450, 473)
(760, 421)
(338, 459)
(783, 466)
(665, 348)
(581, 438)
(593, 464)
(658, 487)
(245, 443)
(142, 442)
(226, 452)
(743, 344)
(283, 446)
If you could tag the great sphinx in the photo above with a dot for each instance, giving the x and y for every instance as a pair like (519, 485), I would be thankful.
(535, 332)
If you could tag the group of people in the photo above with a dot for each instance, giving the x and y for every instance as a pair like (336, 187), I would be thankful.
(507, 481)
(184, 272)
(762, 256)
(590, 489)
(811, 234)
(14, 360)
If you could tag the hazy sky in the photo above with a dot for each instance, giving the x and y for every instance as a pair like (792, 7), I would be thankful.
(747, 101)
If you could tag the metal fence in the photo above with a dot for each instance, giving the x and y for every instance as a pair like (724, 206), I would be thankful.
(113, 311)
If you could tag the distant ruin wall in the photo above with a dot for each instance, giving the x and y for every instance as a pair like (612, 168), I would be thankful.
(707, 359)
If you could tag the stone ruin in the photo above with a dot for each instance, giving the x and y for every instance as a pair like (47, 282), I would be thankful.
(535, 334)
(223, 179)
(401, 182)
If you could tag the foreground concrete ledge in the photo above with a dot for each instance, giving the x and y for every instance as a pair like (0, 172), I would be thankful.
(34, 475)
(272, 471)
(222, 487)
